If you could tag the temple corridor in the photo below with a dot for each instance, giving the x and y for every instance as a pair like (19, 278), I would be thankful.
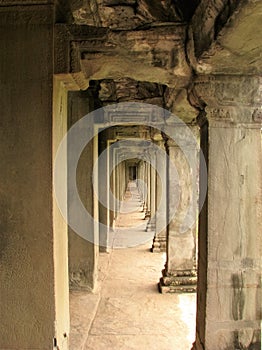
(127, 311)
(123, 112)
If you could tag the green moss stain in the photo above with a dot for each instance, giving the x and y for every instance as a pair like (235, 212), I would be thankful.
(238, 301)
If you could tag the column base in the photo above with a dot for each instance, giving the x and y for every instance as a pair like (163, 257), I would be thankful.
(159, 245)
(151, 225)
(147, 215)
(197, 345)
(184, 281)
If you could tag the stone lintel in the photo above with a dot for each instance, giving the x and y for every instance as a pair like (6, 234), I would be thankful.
(101, 53)
(68, 42)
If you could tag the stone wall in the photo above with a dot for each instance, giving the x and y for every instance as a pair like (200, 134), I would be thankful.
(26, 258)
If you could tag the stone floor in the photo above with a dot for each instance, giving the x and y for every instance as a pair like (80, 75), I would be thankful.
(127, 311)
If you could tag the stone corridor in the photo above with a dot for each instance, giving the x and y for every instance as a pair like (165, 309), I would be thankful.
(130, 227)
(127, 311)
(97, 93)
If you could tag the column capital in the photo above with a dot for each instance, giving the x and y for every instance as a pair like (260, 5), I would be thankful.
(229, 90)
(229, 100)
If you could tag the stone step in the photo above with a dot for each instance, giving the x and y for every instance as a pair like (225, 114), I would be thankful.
(179, 288)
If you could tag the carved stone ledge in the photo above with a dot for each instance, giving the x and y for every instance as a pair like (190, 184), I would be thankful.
(178, 282)
(228, 100)
(234, 116)
(228, 91)
(220, 114)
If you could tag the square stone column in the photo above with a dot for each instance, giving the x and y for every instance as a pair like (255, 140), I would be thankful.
(83, 249)
(103, 188)
(229, 299)
(145, 188)
(140, 179)
(229, 277)
(159, 243)
(180, 270)
(152, 221)
(147, 206)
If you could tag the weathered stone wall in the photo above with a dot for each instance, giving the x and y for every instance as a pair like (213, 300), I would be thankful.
(26, 258)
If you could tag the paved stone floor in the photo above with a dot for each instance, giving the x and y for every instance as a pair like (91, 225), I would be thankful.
(127, 311)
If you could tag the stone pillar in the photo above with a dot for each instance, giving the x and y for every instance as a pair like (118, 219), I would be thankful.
(139, 179)
(123, 179)
(113, 189)
(180, 270)
(159, 243)
(111, 186)
(104, 184)
(229, 285)
(152, 221)
(147, 206)
(144, 179)
(83, 255)
(120, 179)
(143, 184)
(33, 315)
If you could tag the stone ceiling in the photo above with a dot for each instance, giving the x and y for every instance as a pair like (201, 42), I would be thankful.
(131, 14)
(152, 50)
(235, 46)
